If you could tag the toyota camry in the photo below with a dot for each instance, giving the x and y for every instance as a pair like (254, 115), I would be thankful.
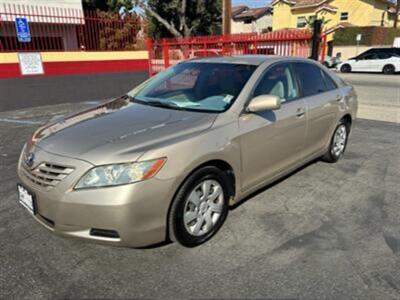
(168, 159)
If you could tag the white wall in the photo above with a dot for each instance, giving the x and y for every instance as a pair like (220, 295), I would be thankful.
(351, 51)
(48, 7)
(75, 4)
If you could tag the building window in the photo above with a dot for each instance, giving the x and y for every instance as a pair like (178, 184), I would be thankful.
(301, 22)
(344, 16)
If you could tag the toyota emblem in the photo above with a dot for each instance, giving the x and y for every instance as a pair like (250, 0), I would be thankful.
(29, 159)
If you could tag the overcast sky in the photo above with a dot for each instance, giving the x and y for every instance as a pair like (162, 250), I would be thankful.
(252, 3)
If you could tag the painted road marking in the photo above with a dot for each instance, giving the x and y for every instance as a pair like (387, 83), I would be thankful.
(29, 122)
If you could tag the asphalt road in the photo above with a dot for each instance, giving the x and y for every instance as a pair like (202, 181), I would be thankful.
(328, 231)
(378, 95)
(34, 91)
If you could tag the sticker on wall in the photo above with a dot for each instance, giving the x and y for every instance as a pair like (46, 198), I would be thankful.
(30, 63)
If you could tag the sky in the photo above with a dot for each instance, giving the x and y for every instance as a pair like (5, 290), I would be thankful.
(251, 3)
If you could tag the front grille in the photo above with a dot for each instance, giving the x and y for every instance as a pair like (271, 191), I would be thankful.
(104, 233)
(47, 174)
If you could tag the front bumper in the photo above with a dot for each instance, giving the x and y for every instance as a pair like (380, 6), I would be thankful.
(137, 212)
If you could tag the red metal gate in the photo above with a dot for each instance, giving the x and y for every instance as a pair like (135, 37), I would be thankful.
(166, 52)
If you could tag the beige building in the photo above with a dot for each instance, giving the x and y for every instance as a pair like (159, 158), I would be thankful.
(247, 20)
(52, 23)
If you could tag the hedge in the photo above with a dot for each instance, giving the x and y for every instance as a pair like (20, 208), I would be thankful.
(371, 35)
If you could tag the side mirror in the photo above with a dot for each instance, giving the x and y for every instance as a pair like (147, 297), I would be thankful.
(264, 102)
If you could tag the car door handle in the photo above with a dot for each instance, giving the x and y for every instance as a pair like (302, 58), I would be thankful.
(300, 112)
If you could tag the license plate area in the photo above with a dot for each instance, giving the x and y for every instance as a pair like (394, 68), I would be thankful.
(27, 199)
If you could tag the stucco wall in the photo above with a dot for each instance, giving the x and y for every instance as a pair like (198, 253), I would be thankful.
(361, 13)
(351, 51)
(257, 26)
(74, 4)
(40, 10)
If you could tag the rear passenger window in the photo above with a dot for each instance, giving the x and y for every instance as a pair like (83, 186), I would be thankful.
(329, 83)
(311, 79)
(384, 55)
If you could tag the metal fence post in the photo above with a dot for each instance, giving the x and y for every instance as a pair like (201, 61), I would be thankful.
(165, 53)
(149, 46)
(323, 47)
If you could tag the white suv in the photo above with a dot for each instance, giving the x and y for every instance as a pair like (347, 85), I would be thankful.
(386, 60)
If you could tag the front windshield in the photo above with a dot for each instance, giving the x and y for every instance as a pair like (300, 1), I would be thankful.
(194, 86)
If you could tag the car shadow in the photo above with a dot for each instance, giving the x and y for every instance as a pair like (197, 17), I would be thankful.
(241, 202)
(272, 184)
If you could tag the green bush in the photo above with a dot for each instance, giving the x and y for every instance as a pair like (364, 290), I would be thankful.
(371, 35)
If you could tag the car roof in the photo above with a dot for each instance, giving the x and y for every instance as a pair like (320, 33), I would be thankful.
(255, 59)
(394, 49)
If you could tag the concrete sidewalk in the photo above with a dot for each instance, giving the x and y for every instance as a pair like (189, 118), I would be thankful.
(378, 95)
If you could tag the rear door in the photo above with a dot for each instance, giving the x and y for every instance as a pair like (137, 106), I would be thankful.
(366, 63)
(387, 58)
(322, 98)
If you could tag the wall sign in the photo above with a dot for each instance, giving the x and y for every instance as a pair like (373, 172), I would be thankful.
(22, 29)
(30, 63)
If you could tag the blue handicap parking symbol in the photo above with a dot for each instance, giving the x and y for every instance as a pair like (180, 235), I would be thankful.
(22, 28)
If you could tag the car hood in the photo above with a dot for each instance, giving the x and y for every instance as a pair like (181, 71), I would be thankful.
(118, 131)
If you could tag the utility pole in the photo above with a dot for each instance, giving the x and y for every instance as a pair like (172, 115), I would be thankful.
(396, 14)
(226, 16)
(316, 40)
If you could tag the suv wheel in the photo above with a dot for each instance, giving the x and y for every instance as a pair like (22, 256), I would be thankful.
(338, 143)
(345, 68)
(389, 69)
(200, 207)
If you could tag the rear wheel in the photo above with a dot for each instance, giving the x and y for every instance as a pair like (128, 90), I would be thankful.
(389, 69)
(345, 68)
(338, 143)
(200, 207)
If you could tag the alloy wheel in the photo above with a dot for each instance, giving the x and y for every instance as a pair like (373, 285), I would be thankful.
(388, 69)
(203, 207)
(345, 69)
(339, 141)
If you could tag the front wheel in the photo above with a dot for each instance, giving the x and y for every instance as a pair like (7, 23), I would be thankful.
(338, 143)
(345, 68)
(200, 207)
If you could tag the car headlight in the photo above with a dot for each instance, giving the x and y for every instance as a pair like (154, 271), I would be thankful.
(118, 174)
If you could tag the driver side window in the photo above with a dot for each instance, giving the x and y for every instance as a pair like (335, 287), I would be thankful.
(278, 81)
(368, 56)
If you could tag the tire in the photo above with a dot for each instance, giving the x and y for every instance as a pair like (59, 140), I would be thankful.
(338, 143)
(389, 69)
(193, 219)
(346, 68)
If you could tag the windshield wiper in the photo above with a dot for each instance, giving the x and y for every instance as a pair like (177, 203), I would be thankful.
(157, 103)
(162, 104)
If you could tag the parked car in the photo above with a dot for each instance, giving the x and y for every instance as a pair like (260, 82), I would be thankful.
(331, 62)
(169, 158)
(386, 60)
(205, 53)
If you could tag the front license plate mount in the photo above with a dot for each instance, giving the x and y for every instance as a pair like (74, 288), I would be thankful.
(27, 199)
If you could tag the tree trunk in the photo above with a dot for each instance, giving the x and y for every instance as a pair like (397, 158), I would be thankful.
(396, 14)
(170, 27)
